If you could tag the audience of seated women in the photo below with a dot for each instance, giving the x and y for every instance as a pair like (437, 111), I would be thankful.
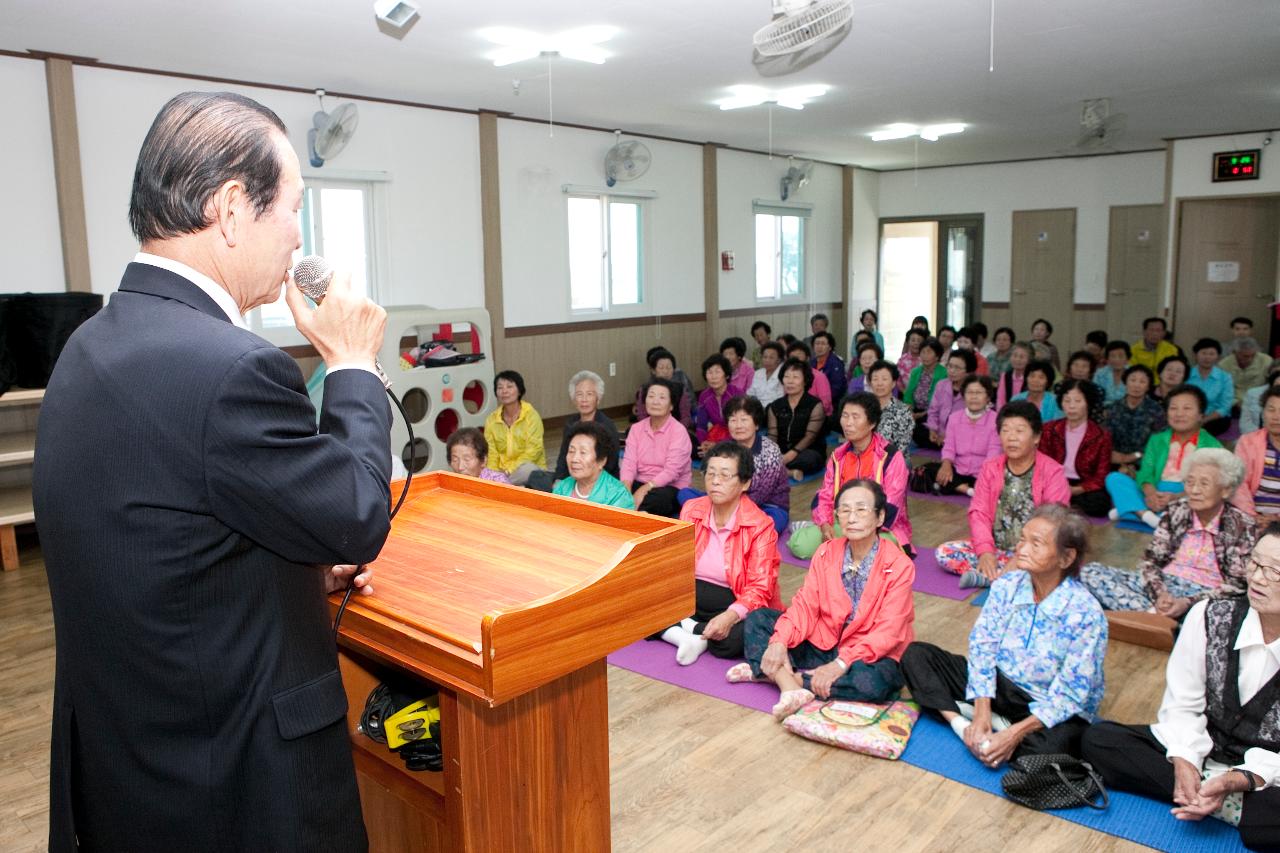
(1159, 479)
(865, 455)
(735, 559)
(924, 380)
(586, 390)
(1251, 407)
(896, 423)
(1041, 330)
(796, 422)
(1014, 379)
(514, 430)
(912, 344)
(826, 361)
(741, 371)
(708, 415)
(657, 462)
(1082, 447)
(1259, 452)
(1219, 390)
(818, 385)
(1001, 351)
(590, 447)
(662, 365)
(1133, 418)
(1009, 488)
(869, 353)
(760, 333)
(946, 397)
(770, 484)
(971, 440)
(1038, 391)
(1110, 376)
(1199, 548)
(1214, 750)
(1080, 367)
(966, 340)
(1171, 373)
(870, 322)
(849, 623)
(1034, 677)
(468, 454)
(766, 386)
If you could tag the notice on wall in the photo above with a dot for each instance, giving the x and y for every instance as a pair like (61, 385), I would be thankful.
(1223, 271)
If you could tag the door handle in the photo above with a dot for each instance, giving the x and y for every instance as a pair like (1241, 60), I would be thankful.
(1262, 295)
(1022, 292)
(1117, 293)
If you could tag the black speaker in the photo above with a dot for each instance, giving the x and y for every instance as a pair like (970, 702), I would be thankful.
(34, 328)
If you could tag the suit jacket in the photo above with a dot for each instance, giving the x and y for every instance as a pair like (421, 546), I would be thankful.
(183, 498)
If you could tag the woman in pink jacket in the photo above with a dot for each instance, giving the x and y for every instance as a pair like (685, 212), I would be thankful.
(1259, 494)
(864, 454)
(1008, 490)
(846, 628)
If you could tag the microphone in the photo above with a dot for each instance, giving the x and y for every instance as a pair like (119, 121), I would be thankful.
(312, 275)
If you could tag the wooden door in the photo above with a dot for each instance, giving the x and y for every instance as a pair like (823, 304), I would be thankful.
(1226, 265)
(1135, 260)
(1042, 281)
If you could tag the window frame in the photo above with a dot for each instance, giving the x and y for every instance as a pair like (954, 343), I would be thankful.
(779, 211)
(606, 198)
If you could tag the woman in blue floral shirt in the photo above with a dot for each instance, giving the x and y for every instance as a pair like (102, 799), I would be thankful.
(1034, 679)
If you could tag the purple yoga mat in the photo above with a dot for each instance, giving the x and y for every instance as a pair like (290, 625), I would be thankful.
(787, 557)
(656, 659)
(927, 452)
(932, 580)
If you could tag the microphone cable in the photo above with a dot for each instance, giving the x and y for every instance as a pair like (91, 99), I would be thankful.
(413, 458)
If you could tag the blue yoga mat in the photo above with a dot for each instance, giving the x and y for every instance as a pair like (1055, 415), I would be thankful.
(935, 748)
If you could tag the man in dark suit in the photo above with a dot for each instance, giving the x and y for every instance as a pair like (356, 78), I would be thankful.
(186, 503)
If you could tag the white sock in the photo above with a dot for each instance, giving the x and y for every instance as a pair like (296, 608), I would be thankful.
(688, 646)
(965, 709)
(1150, 518)
(958, 725)
(1113, 514)
(999, 723)
(688, 624)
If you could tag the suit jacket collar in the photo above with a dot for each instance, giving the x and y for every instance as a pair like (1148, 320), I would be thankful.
(154, 281)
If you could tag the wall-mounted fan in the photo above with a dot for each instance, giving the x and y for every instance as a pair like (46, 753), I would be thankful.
(801, 33)
(330, 132)
(1100, 128)
(796, 177)
(625, 161)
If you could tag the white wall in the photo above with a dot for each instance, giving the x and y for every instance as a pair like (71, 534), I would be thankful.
(743, 177)
(30, 240)
(432, 200)
(865, 251)
(1089, 184)
(534, 166)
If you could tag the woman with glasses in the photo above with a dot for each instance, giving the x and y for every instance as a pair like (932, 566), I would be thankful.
(1033, 680)
(1214, 750)
(846, 628)
(1199, 548)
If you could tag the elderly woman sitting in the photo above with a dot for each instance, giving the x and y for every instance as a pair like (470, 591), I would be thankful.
(662, 365)
(1034, 677)
(850, 621)
(770, 484)
(708, 415)
(1199, 548)
(656, 464)
(735, 559)
(1215, 748)
(1009, 487)
(1081, 446)
(1259, 451)
(468, 452)
(586, 390)
(971, 440)
(514, 430)
(589, 448)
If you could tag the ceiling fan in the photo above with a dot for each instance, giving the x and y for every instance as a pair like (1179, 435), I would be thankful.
(801, 33)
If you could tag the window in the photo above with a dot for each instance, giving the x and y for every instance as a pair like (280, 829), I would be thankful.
(779, 251)
(606, 252)
(337, 222)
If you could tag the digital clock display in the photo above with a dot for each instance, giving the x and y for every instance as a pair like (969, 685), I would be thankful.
(1236, 165)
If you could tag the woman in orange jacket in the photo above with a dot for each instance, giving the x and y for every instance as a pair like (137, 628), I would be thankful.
(850, 622)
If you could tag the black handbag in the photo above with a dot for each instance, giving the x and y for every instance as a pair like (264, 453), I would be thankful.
(1058, 781)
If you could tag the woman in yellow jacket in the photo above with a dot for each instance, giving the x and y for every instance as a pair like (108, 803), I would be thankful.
(514, 431)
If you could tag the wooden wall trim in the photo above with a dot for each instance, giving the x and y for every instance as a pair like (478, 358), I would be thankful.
(1168, 285)
(592, 325)
(846, 236)
(491, 231)
(805, 308)
(995, 306)
(68, 182)
(711, 246)
(1090, 306)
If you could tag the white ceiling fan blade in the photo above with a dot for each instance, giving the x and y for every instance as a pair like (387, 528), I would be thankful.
(791, 105)
(895, 131)
(584, 53)
(586, 35)
(509, 36)
(516, 53)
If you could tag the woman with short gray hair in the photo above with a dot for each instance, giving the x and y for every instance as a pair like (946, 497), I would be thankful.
(586, 390)
(1200, 550)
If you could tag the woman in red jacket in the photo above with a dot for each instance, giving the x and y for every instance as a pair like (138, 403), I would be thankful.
(735, 559)
(1082, 447)
(848, 625)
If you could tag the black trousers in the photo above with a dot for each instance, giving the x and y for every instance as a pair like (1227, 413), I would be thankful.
(709, 601)
(937, 680)
(926, 475)
(661, 500)
(1096, 503)
(809, 461)
(1129, 758)
(920, 437)
(1217, 426)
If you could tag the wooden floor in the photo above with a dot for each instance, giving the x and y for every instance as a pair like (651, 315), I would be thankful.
(689, 773)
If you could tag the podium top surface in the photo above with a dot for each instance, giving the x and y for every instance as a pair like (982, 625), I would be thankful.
(468, 559)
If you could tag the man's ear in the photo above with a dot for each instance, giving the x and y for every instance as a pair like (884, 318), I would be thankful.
(227, 209)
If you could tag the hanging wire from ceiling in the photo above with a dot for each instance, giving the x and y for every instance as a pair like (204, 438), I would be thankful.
(551, 120)
(770, 131)
(991, 55)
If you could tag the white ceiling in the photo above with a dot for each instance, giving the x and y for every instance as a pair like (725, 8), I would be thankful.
(1175, 67)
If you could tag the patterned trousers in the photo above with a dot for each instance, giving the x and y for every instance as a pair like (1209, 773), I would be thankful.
(1124, 589)
(958, 557)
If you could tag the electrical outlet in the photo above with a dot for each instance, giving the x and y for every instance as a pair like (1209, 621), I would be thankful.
(613, 368)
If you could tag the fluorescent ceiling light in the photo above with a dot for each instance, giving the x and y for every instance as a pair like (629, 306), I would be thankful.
(793, 98)
(929, 132)
(516, 45)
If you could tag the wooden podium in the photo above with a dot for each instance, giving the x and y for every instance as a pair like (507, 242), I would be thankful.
(506, 600)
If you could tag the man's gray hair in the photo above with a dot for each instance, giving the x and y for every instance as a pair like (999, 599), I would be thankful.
(1247, 343)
